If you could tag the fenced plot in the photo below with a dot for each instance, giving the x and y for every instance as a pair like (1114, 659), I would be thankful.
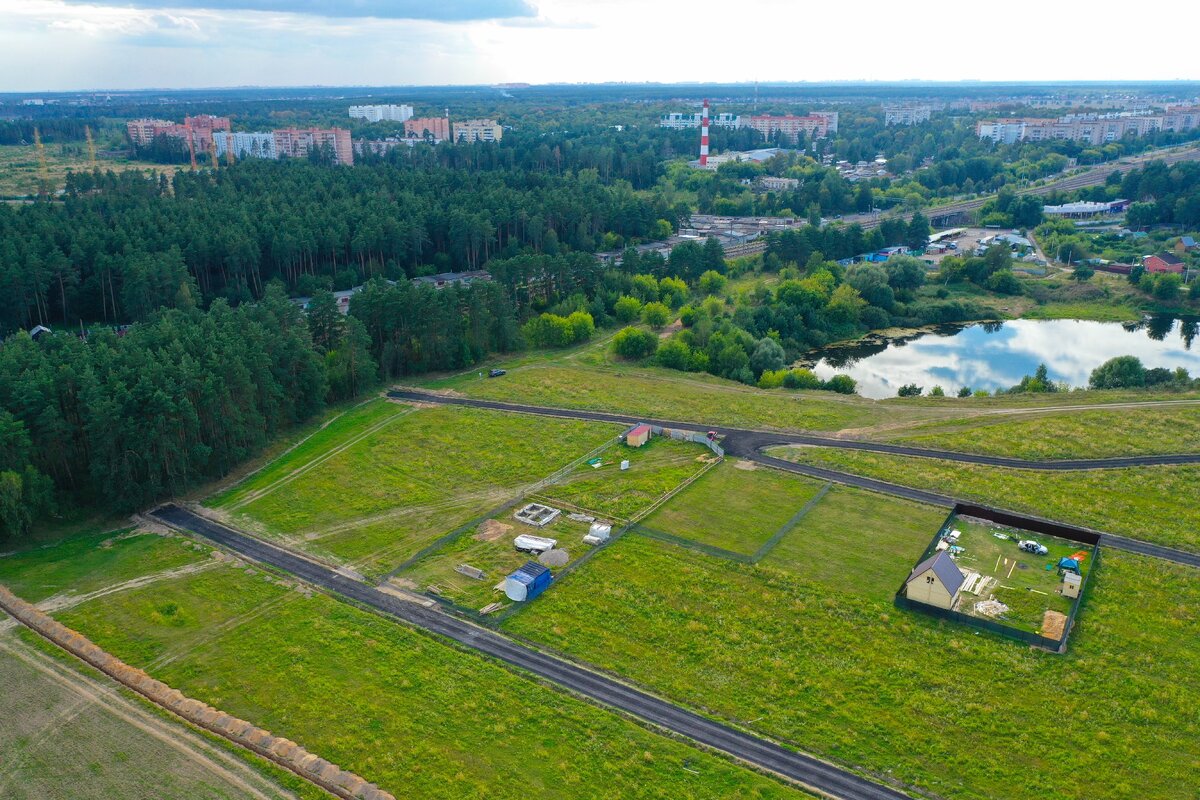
(734, 509)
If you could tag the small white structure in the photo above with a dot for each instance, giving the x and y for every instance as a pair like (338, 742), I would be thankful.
(598, 533)
(534, 544)
(936, 581)
(1072, 583)
(625, 464)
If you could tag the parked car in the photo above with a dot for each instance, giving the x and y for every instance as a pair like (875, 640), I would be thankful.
(1030, 546)
(496, 373)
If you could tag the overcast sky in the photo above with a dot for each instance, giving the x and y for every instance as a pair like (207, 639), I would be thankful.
(72, 44)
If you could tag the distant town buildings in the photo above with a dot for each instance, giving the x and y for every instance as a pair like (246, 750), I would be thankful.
(1089, 128)
(200, 128)
(477, 130)
(390, 113)
(1085, 209)
(681, 121)
(772, 183)
(817, 125)
(245, 145)
(906, 113)
(300, 142)
(436, 128)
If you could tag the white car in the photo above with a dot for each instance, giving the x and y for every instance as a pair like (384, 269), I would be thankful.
(1030, 546)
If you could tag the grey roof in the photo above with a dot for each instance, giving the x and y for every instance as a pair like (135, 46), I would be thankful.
(944, 567)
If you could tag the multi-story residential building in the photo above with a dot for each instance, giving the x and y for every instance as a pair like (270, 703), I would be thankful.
(816, 126)
(774, 183)
(299, 142)
(389, 113)
(436, 128)
(478, 130)
(680, 121)
(200, 128)
(906, 113)
(245, 145)
(1088, 128)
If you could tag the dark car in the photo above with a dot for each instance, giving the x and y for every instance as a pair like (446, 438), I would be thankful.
(496, 373)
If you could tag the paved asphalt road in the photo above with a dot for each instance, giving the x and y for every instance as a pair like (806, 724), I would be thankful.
(803, 769)
(748, 444)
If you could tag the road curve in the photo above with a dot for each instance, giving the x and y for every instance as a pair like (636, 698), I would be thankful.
(806, 770)
(745, 443)
(749, 444)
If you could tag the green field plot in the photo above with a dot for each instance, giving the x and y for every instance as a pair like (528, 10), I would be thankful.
(833, 666)
(323, 441)
(381, 486)
(1149, 503)
(1028, 584)
(90, 562)
(1078, 434)
(655, 469)
(417, 717)
(734, 508)
(66, 735)
(671, 395)
(855, 538)
(494, 554)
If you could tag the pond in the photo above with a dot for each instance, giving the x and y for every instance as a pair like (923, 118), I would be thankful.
(995, 355)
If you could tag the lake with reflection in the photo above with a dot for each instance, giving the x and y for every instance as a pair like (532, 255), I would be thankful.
(995, 355)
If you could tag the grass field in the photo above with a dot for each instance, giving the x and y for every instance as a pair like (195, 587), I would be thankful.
(655, 469)
(670, 395)
(20, 170)
(809, 648)
(1077, 434)
(85, 563)
(67, 735)
(734, 509)
(383, 481)
(419, 718)
(1150, 503)
(858, 537)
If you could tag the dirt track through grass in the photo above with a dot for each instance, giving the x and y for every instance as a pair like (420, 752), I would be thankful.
(258, 494)
(89, 696)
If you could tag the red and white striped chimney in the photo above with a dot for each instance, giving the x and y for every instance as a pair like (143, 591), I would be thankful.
(704, 136)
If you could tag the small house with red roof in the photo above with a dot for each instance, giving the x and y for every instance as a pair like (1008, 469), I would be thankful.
(1163, 262)
(638, 435)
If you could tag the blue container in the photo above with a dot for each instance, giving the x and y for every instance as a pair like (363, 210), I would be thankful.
(527, 582)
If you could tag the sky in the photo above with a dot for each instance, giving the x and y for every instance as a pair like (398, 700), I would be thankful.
(64, 45)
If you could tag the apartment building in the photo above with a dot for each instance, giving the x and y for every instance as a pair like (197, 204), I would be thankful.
(906, 114)
(245, 145)
(679, 121)
(388, 113)
(478, 130)
(436, 128)
(815, 126)
(299, 142)
(142, 131)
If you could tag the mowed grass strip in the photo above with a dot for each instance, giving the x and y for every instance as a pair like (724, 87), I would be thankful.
(671, 395)
(423, 458)
(733, 508)
(1077, 434)
(829, 663)
(1156, 504)
(420, 718)
(85, 563)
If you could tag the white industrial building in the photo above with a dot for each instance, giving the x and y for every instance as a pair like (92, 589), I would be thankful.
(245, 145)
(389, 113)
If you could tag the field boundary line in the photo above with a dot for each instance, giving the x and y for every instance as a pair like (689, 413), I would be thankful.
(787, 527)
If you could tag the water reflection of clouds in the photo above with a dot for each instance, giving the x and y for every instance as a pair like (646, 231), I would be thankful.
(999, 358)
